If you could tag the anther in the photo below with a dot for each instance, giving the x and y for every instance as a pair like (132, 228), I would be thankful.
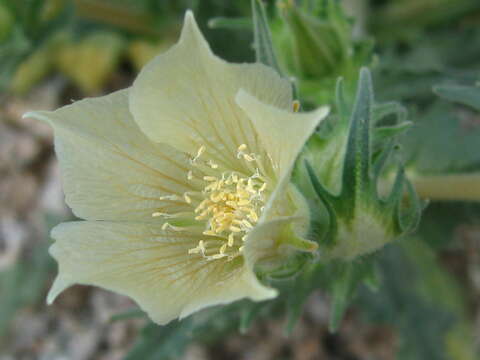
(168, 226)
(223, 248)
(167, 216)
(231, 240)
(212, 164)
(296, 105)
(200, 151)
(250, 157)
(169, 197)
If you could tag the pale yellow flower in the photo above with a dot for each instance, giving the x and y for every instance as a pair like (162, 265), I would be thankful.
(183, 180)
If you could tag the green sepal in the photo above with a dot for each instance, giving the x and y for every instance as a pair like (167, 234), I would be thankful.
(263, 45)
(361, 216)
(356, 165)
(411, 219)
(328, 200)
(287, 269)
(385, 132)
(381, 159)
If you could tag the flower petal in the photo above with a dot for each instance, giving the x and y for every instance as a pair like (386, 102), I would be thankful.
(110, 169)
(186, 98)
(283, 135)
(151, 266)
(282, 132)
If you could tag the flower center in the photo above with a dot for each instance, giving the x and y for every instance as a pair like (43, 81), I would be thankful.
(229, 204)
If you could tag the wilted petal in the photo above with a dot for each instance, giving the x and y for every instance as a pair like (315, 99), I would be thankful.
(186, 98)
(151, 266)
(110, 169)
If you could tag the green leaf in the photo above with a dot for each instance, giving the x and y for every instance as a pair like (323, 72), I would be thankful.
(466, 95)
(264, 51)
(349, 275)
(169, 342)
(422, 301)
(302, 287)
(133, 313)
(162, 342)
(440, 142)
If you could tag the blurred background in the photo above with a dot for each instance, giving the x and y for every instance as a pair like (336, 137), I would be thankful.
(53, 52)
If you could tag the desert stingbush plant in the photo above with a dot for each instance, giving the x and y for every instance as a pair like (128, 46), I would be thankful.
(179, 211)
(219, 233)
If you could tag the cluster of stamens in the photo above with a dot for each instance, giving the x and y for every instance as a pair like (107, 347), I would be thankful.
(229, 205)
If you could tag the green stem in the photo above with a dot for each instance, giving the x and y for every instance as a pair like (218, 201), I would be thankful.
(459, 187)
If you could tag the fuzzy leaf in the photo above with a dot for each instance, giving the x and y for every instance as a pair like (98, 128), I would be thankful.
(466, 95)
(264, 51)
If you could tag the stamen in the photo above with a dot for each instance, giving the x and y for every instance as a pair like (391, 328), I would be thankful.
(212, 164)
(249, 157)
(231, 204)
(168, 226)
(167, 216)
(200, 151)
(231, 239)
(296, 105)
(223, 248)
(169, 197)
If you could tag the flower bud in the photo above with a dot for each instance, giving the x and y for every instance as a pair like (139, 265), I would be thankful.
(344, 169)
(319, 47)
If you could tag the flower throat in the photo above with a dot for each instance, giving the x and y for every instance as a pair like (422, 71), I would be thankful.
(229, 205)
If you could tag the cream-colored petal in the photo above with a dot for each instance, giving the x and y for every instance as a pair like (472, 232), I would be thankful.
(110, 169)
(282, 132)
(186, 98)
(271, 240)
(151, 266)
(228, 292)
